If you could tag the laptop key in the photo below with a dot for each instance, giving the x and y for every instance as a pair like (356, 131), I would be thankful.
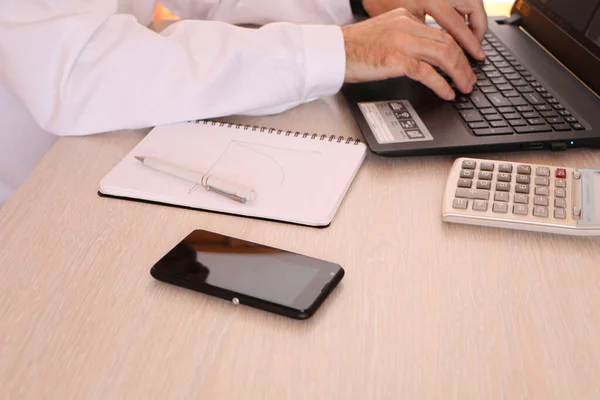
(533, 98)
(554, 120)
(499, 81)
(512, 116)
(530, 114)
(489, 89)
(536, 121)
(484, 82)
(493, 131)
(506, 110)
(561, 127)
(511, 93)
(558, 106)
(543, 107)
(540, 90)
(477, 125)
(498, 100)
(485, 111)
(471, 116)
(519, 82)
(493, 117)
(524, 108)
(463, 106)
(546, 95)
(493, 74)
(525, 89)
(498, 124)
(548, 114)
(578, 127)
(571, 119)
(517, 122)
(564, 113)
(504, 87)
(518, 101)
(479, 100)
(533, 128)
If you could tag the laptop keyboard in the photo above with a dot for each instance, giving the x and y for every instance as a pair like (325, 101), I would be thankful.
(507, 99)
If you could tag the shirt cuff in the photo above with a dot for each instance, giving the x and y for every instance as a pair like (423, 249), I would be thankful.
(325, 60)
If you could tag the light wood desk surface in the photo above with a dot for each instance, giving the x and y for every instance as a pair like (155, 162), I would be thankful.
(426, 311)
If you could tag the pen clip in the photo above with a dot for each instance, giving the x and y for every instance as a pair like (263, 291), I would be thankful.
(230, 195)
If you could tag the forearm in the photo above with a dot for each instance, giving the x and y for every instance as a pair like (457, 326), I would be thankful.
(91, 70)
(260, 12)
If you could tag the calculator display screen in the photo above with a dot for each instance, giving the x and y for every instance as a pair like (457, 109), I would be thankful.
(590, 185)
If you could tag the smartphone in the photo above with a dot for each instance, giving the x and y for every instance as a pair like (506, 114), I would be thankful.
(249, 273)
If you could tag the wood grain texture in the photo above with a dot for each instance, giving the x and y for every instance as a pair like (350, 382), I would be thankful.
(427, 310)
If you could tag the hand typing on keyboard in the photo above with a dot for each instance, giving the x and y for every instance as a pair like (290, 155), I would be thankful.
(396, 42)
(507, 99)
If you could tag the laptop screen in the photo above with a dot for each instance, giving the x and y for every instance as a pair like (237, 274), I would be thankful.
(579, 18)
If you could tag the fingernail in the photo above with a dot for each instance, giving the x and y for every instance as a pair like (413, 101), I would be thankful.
(451, 95)
(481, 54)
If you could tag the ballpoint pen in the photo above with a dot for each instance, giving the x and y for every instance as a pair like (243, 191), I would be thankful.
(228, 189)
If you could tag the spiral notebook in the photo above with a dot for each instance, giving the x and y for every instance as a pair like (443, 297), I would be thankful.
(300, 178)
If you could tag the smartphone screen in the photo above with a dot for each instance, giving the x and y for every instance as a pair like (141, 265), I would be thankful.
(255, 274)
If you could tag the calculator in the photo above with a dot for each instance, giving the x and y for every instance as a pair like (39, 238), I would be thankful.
(531, 197)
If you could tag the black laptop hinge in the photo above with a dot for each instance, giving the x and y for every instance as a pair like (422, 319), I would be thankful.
(515, 19)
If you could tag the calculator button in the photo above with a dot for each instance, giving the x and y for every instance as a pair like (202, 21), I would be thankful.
(540, 211)
(480, 205)
(520, 209)
(560, 203)
(467, 173)
(522, 188)
(540, 200)
(561, 173)
(524, 169)
(577, 211)
(504, 177)
(560, 192)
(521, 198)
(469, 164)
(484, 185)
(559, 213)
(465, 183)
(560, 183)
(485, 175)
(523, 179)
(542, 171)
(501, 196)
(503, 186)
(460, 204)
(576, 174)
(486, 166)
(500, 207)
(465, 193)
(542, 191)
(505, 167)
(542, 181)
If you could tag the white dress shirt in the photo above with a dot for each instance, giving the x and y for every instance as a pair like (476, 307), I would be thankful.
(79, 67)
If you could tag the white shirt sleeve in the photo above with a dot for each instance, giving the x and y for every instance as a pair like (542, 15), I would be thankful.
(79, 67)
(262, 12)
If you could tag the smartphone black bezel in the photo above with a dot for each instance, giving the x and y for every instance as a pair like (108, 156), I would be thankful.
(303, 307)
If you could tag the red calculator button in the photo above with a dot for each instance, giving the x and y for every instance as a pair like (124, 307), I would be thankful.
(561, 173)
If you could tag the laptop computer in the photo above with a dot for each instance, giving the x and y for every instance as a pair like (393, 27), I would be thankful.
(537, 89)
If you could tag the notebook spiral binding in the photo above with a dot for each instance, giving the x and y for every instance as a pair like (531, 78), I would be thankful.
(303, 135)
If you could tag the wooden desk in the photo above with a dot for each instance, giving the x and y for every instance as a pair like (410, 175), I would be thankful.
(426, 311)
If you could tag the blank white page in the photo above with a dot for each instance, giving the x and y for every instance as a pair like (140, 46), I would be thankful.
(299, 180)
